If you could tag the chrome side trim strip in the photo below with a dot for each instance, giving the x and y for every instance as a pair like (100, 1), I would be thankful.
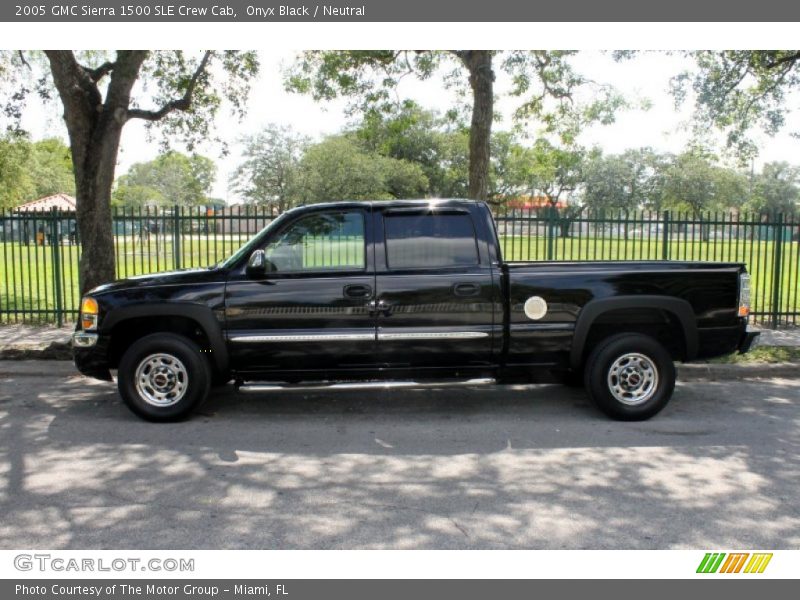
(433, 335)
(310, 337)
(357, 337)
(362, 385)
(518, 327)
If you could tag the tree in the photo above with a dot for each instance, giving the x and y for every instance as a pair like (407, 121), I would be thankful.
(171, 178)
(51, 168)
(268, 175)
(339, 169)
(695, 183)
(99, 95)
(545, 80)
(549, 170)
(31, 170)
(776, 189)
(737, 91)
(410, 133)
(451, 179)
(438, 144)
(633, 179)
(16, 186)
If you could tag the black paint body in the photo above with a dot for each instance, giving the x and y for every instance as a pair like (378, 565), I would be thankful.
(379, 320)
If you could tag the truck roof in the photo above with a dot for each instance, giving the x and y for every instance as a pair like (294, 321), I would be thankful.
(423, 202)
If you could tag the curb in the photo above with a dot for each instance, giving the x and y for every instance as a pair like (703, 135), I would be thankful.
(732, 372)
(37, 368)
(32, 363)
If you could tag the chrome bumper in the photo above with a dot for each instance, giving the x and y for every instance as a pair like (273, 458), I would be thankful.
(82, 339)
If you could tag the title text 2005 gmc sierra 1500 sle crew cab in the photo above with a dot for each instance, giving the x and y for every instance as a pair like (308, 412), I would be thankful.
(406, 293)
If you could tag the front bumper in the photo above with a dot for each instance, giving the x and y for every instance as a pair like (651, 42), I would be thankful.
(747, 340)
(89, 353)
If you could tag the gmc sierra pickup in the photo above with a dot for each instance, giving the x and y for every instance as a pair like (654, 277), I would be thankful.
(406, 294)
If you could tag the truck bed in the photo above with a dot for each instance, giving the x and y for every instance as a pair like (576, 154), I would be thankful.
(570, 286)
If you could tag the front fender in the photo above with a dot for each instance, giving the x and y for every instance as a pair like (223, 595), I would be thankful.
(203, 315)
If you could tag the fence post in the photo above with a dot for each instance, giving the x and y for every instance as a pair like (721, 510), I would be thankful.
(777, 258)
(176, 237)
(665, 237)
(551, 215)
(56, 252)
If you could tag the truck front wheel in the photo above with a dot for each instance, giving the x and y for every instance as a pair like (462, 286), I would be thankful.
(163, 377)
(630, 376)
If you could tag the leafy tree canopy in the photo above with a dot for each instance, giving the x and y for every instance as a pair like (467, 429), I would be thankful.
(739, 91)
(546, 84)
(339, 169)
(31, 170)
(776, 189)
(171, 178)
(269, 172)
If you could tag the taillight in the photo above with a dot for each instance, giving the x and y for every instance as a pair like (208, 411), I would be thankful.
(89, 312)
(744, 295)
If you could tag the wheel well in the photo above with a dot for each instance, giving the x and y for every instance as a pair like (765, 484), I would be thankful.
(657, 323)
(126, 332)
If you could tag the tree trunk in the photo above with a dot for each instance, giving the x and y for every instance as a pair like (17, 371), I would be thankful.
(481, 80)
(94, 181)
(95, 128)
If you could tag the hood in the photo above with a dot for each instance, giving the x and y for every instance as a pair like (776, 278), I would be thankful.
(179, 277)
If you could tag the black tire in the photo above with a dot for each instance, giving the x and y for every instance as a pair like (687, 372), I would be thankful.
(630, 376)
(168, 359)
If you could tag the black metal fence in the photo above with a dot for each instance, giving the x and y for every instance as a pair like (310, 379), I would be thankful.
(40, 251)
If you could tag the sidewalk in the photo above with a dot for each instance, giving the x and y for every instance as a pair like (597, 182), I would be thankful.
(42, 342)
(35, 342)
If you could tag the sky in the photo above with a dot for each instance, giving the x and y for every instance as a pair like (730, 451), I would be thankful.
(646, 77)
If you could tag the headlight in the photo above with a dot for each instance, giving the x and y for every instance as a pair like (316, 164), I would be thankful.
(744, 295)
(89, 311)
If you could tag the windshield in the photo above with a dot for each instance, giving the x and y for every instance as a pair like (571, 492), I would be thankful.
(250, 245)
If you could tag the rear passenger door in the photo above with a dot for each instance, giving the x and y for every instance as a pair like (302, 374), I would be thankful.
(437, 301)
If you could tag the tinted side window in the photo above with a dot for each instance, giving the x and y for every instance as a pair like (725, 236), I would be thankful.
(320, 242)
(430, 240)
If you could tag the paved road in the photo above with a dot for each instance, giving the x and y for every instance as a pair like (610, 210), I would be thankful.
(508, 467)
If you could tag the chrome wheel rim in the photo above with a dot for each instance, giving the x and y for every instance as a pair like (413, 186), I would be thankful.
(633, 378)
(161, 380)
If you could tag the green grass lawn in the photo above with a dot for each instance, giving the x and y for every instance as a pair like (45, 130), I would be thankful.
(763, 354)
(27, 273)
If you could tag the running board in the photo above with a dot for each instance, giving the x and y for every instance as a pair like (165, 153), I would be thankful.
(361, 385)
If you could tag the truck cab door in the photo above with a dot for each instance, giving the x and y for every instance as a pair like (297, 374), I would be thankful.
(438, 298)
(311, 309)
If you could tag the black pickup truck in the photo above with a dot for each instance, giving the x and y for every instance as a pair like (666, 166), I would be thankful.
(407, 293)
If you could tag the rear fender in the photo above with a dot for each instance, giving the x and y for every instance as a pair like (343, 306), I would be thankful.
(677, 307)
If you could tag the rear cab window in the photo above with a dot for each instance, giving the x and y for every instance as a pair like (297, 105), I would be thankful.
(430, 240)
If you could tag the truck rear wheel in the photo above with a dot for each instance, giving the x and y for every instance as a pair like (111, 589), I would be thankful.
(163, 377)
(630, 376)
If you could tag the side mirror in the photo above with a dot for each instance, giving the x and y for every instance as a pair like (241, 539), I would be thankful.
(258, 265)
